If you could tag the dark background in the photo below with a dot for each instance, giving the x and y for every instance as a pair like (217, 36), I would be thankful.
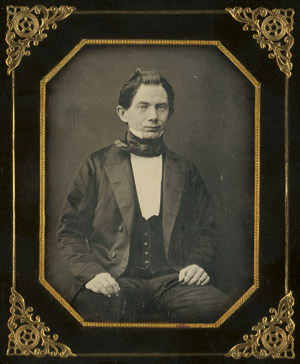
(213, 126)
(34, 68)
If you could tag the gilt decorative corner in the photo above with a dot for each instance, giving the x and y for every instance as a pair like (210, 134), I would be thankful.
(28, 26)
(273, 30)
(273, 338)
(28, 335)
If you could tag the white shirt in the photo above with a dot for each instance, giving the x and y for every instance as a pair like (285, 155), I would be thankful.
(147, 173)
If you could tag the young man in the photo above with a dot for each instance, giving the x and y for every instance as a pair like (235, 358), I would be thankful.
(137, 228)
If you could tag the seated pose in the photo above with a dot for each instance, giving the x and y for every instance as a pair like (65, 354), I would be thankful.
(136, 228)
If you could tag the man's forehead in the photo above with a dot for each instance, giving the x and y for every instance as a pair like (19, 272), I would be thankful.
(150, 93)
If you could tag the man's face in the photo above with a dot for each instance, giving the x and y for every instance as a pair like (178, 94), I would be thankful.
(148, 112)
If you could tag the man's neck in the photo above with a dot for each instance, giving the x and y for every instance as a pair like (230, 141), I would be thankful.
(137, 133)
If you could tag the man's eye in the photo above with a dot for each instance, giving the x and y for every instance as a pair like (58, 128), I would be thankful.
(142, 107)
(162, 107)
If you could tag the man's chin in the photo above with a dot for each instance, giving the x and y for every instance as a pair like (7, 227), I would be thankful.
(151, 134)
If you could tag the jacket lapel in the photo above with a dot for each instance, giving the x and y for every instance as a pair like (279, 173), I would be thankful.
(119, 173)
(173, 183)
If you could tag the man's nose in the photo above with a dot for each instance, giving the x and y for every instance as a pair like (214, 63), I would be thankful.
(152, 114)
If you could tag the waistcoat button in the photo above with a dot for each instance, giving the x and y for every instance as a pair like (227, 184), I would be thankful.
(120, 228)
(113, 254)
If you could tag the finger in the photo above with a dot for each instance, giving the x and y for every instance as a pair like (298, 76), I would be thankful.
(106, 283)
(92, 288)
(116, 288)
(111, 280)
(190, 274)
(202, 278)
(182, 274)
(114, 285)
(88, 285)
(205, 281)
(196, 278)
(95, 288)
(103, 290)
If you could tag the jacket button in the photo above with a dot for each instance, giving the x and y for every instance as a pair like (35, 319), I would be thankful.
(113, 254)
(120, 228)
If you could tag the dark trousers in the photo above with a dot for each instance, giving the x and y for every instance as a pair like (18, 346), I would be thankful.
(153, 297)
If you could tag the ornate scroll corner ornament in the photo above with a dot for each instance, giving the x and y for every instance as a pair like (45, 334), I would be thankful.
(28, 335)
(273, 338)
(28, 25)
(273, 29)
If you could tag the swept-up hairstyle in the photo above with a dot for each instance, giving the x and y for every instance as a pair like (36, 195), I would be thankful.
(139, 78)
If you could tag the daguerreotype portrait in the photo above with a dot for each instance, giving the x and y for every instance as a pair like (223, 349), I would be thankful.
(150, 176)
(134, 235)
(140, 268)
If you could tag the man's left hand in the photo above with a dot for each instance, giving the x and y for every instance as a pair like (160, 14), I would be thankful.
(193, 275)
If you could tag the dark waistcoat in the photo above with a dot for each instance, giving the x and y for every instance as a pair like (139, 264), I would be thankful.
(147, 242)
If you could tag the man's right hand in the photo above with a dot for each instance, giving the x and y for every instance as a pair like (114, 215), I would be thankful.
(104, 283)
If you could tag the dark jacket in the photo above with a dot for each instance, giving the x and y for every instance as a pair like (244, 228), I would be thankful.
(97, 217)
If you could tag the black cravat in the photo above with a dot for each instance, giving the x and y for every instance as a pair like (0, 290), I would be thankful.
(141, 147)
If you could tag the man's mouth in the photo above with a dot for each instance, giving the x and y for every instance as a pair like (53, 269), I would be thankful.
(152, 128)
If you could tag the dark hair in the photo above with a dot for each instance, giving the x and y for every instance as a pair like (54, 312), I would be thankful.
(139, 78)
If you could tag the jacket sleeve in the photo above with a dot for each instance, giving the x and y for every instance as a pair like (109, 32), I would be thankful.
(75, 219)
(202, 235)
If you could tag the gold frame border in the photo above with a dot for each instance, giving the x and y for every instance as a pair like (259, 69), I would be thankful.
(149, 12)
(286, 186)
(43, 85)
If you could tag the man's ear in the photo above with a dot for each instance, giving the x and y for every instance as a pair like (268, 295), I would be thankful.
(122, 113)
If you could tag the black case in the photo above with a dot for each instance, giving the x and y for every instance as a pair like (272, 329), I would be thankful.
(154, 20)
